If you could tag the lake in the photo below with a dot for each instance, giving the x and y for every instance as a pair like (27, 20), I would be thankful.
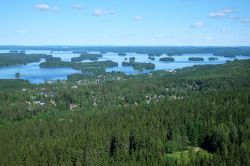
(33, 73)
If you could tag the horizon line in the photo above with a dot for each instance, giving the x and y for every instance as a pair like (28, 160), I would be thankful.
(123, 45)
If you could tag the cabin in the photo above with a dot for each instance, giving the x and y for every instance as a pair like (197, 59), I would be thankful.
(72, 106)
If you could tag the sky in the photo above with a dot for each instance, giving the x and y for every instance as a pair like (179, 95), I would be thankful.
(125, 22)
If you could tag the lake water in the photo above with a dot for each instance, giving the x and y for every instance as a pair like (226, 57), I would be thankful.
(35, 74)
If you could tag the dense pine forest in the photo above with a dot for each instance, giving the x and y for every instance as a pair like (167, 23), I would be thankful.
(198, 115)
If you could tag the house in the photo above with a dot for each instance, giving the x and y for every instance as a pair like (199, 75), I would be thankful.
(39, 103)
(72, 106)
(74, 87)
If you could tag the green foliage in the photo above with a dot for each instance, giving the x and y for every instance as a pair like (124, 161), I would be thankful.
(151, 58)
(212, 58)
(167, 59)
(87, 68)
(122, 54)
(139, 66)
(132, 59)
(8, 59)
(92, 57)
(17, 75)
(194, 116)
(196, 59)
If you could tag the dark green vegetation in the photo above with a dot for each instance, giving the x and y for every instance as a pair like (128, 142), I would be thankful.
(196, 59)
(195, 116)
(8, 59)
(227, 54)
(154, 54)
(151, 58)
(175, 53)
(122, 54)
(92, 57)
(139, 65)
(167, 59)
(132, 59)
(88, 68)
(212, 58)
(17, 75)
(79, 52)
(53, 59)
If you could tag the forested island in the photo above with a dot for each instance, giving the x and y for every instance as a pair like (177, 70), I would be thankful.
(196, 59)
(122, 54)
(212, 58)
(167, 59)
(92, 57)
(193, 116)
(151, 58)
(89, 68)
(9, 59)
(139, 65)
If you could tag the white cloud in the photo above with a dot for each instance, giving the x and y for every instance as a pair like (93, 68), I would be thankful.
(78, 6)
(101, 12)
(228, 10)
(209, 39)
(221, 13)
(198, 25)
(137, 18)
(225, 29)
(55, 9)
(217, 14)
(42, 7)
(46, 7)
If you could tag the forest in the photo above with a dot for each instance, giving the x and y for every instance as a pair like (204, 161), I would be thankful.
(197, 115)
(82, 57)
(9, 59)
(139, 65)
(88, 68)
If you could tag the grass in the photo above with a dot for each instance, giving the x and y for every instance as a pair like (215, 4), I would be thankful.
(184, 157)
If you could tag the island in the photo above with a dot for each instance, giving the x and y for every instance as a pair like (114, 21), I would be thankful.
(229, 56)
(174, 53)
(196, 59)
(86, 67)
(167, 59)
(155, 54)
(212, 58)
(79, 52)
(53, 59)
(139, 66)
(17, 75)
(151, 58)
(132, 59)
(92, 57)
(122, 54)
(10, 59)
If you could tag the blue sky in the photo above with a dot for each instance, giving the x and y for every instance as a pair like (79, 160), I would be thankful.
(125, 22)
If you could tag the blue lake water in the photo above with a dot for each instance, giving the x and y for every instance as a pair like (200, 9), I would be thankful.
(35, 74)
